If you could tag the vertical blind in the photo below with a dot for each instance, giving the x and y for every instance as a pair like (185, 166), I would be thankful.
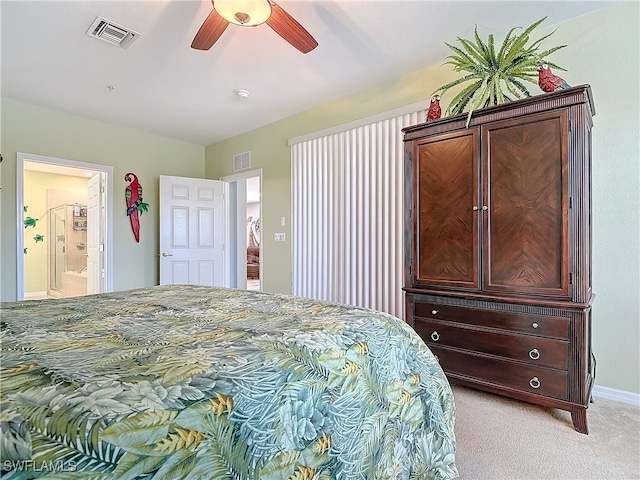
(348, 218)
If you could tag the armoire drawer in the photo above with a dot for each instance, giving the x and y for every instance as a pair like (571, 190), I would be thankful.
(546, 326)
(539, 380)
(525, 348)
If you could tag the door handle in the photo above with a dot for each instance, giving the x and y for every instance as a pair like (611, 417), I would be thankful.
(165, 254)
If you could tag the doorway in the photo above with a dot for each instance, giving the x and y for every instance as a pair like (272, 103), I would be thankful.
(64, 227)
(244, 211)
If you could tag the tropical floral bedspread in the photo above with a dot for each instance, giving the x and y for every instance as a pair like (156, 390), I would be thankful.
(176, 382)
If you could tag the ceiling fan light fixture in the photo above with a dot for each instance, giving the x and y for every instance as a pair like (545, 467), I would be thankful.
(247, 13)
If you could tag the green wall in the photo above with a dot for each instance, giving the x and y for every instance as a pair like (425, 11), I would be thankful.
(40, 131)
(270, 152)
(603, 51)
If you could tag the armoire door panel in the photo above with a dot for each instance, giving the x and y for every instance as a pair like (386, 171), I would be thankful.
(447, 225)
(525, 188)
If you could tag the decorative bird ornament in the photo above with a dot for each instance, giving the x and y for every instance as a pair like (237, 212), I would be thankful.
(548, 81)
(135, 205)
(434, 112)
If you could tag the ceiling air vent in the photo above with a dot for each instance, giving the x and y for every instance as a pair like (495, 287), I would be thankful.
(108, 31)
(241, 161)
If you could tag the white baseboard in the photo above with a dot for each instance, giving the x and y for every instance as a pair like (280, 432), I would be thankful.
(29, 295)
(621, 396)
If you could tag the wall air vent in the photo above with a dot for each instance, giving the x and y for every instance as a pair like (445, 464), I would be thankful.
(242, 161)
(113, 33)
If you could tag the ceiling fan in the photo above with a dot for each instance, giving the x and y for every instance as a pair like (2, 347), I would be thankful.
(250, 13)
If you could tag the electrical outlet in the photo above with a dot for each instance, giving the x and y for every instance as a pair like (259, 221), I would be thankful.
(279, 237)
(282, 221)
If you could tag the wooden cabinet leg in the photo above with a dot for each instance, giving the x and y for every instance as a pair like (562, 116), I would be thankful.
(579, 419)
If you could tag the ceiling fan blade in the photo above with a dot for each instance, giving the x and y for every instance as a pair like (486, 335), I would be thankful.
(209, 32)
(289, 29)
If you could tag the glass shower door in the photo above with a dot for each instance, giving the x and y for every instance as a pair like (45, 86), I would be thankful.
(58, 248)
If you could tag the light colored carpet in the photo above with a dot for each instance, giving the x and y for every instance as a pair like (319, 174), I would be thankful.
(499, 438)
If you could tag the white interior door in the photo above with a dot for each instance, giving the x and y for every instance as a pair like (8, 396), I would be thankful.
(192, 231)
(94, 234)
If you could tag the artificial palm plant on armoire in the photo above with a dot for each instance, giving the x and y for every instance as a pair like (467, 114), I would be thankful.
(497, 75)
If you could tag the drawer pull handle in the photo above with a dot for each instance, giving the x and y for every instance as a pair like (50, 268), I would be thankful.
(434, 312)
(435, 336)
(534, 382)
(534, 354)
(535, 325)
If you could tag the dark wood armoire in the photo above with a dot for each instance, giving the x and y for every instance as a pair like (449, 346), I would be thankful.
(498, 247)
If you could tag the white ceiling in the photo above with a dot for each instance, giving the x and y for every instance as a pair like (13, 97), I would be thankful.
(57, 169)
(163, 86)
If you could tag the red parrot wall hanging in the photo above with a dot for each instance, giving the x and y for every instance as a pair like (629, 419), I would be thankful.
(135, 205)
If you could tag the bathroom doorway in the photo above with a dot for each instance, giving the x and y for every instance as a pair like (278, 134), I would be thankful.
(64, 227)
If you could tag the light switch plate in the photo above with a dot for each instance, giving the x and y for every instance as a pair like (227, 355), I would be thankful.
(279, 237)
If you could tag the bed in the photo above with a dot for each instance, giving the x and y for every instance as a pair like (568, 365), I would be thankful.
(175, 382)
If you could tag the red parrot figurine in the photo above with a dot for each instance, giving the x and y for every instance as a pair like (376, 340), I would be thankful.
(135, 205)
(434, 111)
(549, 82)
